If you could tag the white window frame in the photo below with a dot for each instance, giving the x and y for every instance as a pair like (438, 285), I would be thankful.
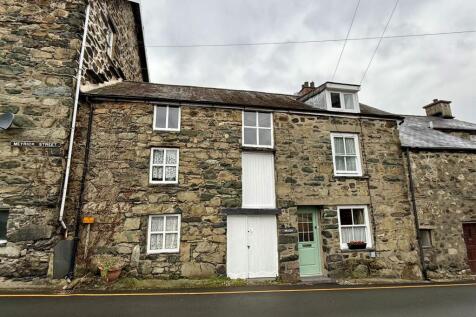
(257, 127)
(342, 101)
(166, 118)
(164, 232)
(151, 164)
(358, 163)
(368, 234)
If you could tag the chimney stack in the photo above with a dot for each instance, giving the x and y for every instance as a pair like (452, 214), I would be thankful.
(439, 108)
(306, 88)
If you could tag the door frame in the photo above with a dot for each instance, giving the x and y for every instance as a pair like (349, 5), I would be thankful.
(463, 223)
(317, 238)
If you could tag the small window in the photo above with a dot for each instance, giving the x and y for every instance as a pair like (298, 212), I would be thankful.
(164, 165)
(425, 238)
(354, 225)
(167, 118)
(346, 154)
(110, 38)
(341, 101)
(163, 234)
(3, 225)
(258, 129)
(335, 100)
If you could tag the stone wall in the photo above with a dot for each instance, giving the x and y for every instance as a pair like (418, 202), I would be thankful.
(125, 62)
(305, 177)
(119, 196)
(39, 53)
(445, 198)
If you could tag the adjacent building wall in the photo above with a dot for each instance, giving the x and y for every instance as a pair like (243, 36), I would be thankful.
(445, 193)
(39, 53)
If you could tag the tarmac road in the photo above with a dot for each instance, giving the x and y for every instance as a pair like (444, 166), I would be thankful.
(446, 300)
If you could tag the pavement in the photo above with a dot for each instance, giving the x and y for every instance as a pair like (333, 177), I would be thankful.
(458, 299)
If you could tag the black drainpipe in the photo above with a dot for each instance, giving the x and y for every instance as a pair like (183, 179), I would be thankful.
(80, 204)
(415, 215)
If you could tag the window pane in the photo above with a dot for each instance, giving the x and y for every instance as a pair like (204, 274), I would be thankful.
(339, 145)
(347, 235)
(349, 101)
(157, 173)
(171, 223)
(351, 163)
(157, 224)
(160, 117)
(170, 173)
(158, 157)
(335, 100)
(171, 156)
(360, 234)
(249, 119)
(264, 120)
(359, 218)
(3, 224)
(340, 164)
(345, 217)
(349, 145)
(264, 136)
(156, 241)
(173, 117)
(250, 136)
(171, 241)
(425, 236)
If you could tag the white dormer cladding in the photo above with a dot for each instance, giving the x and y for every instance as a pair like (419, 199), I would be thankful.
(336, 97)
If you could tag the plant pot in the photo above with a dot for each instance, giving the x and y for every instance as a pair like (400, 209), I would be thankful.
(354, 246)
(111, 275)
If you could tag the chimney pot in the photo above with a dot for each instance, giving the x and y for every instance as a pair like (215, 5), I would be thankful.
(305, 88)
(312, 84)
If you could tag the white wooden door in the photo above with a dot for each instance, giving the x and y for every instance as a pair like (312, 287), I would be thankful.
(252, 248)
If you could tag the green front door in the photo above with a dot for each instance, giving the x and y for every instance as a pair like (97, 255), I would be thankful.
(309, 242)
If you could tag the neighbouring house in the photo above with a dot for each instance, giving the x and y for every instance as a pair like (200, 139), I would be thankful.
(191, 181)
(40, 49)
(441, 163)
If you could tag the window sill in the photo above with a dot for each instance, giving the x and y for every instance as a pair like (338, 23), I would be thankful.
(3, 243)
(351, 176)
(163, 184)
(357, 250)
(166, 130)
(163, 252)
(258, 149)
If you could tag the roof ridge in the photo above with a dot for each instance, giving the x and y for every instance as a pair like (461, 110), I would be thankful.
(217, 88)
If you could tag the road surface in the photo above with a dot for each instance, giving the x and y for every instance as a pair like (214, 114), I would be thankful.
(447, 300)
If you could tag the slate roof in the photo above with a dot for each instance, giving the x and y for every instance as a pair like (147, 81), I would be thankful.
(204, 95)
(431, 133)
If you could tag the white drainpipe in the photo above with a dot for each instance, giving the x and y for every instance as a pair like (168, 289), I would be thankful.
(73, 120)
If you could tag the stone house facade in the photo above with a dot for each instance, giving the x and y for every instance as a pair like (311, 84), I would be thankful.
(304, 201)
(40, 45)
(440, 152)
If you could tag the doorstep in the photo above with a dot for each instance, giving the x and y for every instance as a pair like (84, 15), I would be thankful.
(311, 280)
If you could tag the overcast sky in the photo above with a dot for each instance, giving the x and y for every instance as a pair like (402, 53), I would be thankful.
(405, 74)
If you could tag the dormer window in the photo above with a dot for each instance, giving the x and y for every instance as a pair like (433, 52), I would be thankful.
(342, 101)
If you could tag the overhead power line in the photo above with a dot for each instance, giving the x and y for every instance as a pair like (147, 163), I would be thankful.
(345, 41)
(379, 41)
(314, 41)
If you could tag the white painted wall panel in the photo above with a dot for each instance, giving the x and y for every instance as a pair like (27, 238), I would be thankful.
(258, 180)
